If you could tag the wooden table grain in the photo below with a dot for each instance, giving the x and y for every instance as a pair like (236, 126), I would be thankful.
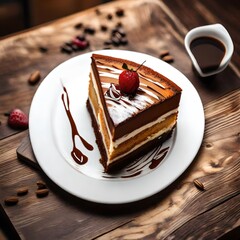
(181, 211)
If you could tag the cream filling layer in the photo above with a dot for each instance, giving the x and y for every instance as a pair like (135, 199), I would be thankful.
(137, 131)
(153, 136)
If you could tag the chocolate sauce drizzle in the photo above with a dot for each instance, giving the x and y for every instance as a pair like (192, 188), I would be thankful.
(150, 160)
(157, 159)
(76, 154)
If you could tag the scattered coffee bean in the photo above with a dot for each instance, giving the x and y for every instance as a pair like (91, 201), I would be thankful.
(66, 49)
(7, 114)
(34, 77)
(164, 53)
(115, 41)
(68, 43)
(109, 16)
(22, 191)
(104, 28)
(78, 25)
(108, 42)
(89, 30)
(168, 58)
(81, 37)
(209, 145)
(198, 185)
(43, 49)
(121, 31)
(117, 35)
(10, 201)
(114, 30)
(74, 47)
(42, 192)
(120, 12)
(41, 184)
(119, 24)
(97, 11)
(124, 41)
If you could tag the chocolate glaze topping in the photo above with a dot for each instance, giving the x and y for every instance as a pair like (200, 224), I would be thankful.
(156, 95)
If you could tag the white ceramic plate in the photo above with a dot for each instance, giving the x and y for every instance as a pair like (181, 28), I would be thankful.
(51, 135)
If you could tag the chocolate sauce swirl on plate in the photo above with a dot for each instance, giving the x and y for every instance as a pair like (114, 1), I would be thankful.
(76, 154)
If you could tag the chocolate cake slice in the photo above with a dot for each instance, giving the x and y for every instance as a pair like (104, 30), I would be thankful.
(128, 125)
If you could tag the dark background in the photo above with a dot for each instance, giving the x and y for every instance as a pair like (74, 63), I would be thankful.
(17, 15)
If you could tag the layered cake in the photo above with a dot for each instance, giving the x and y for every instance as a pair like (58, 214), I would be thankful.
(133, 109)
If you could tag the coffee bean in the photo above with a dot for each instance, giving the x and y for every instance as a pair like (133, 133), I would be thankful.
(163, 53)
(168, 58)
(34, 77)
(74, 47)
(104, 28)
(114, 30)
(117, 35)
(43, 49)
(66, 49)
(41, 184)
(81, 37)
(115, 41)
(97, 11)
(78, 25)
(109, 16)
(10, 201)
(69, 43)
(42, 192)
(108, 42)
(121, 31)
(120, 12)
(124, 41)
(89, 30)
(119, 24)
(198, 185)
(22, 191)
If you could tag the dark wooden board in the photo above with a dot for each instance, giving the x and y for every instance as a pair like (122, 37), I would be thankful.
(25, 153)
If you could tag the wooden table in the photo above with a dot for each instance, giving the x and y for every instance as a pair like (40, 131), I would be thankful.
(181, 211)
